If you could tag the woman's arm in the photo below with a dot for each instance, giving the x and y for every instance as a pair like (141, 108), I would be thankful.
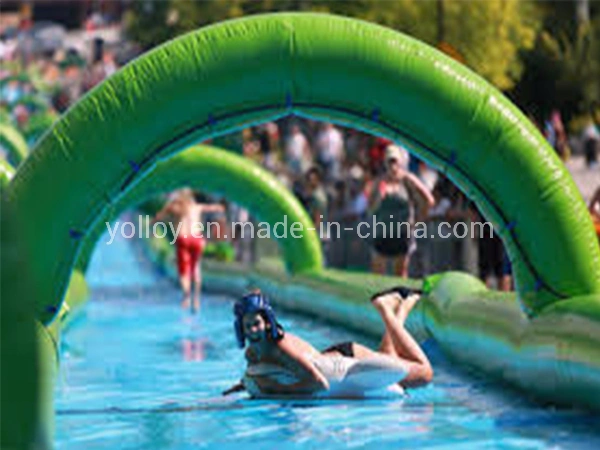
(307, 152)
(238, 387)
(268, 385)
(163, 213)
(420, 189)
(311, 379)
(215, 207)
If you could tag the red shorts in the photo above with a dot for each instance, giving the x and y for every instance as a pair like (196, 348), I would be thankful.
(189, 250)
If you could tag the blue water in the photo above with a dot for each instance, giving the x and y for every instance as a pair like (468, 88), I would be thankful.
(139, 373)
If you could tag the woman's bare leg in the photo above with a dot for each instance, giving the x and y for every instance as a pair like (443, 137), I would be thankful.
(407, 349)
(401, 266)
(186, 285)
(401, 310)
(378, 263)
(386, 345)
(197, 287)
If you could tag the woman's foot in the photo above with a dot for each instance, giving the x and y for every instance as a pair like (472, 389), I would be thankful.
(387, 302)
(406, 306)
(402, 293)
(185, 304)
(196, 305)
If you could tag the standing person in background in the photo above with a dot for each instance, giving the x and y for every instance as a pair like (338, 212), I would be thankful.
(240, 238)
(595, 211)
(316, 203)
(358, 201)
(550, 133)
(356, 209)
(435, 253)
(465, 251)
(356, 142)
(377, 156)
(189, 242)
(397, 198)
(337, 245)
(427, 175)
(297, 151)
(109, 64)
(21, 116)
(555, 133)
(315, 197)
(330, 151)
(591, 142)
(267, 135)
(92, 75)
(490, 254)
(506, 282)
(562, 142)
(11, 92)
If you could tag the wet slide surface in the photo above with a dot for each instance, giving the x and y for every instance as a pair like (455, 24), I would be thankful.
(139, 373)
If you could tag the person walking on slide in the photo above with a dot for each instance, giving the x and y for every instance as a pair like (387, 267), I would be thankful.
(281, 364)
(189, 241)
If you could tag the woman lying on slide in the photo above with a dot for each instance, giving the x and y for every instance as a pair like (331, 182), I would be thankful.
(281, 364)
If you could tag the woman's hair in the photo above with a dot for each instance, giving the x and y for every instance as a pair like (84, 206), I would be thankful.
(256, 302)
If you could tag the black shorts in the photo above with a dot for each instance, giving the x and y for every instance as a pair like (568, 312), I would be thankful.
(491, 257)
(344, 348)
(391, 247)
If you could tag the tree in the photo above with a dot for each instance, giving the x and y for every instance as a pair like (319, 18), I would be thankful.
(151, 22)
(563, 69)
(488, 34)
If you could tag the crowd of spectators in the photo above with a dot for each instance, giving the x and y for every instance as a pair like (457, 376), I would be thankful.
(334, 172)
(44, 87)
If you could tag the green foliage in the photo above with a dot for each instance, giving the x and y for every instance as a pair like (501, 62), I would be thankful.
(146, 23)
(563, 68)
(577, 68)
(532, 48)
(38, 124)
(151, 23)
(489, 34)
(152, 206)
(221, 251)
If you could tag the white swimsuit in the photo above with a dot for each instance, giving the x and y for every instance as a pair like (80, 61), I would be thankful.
(357, 377)
(347, 377)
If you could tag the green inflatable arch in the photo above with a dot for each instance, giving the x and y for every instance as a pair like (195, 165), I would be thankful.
(230, 75)
(6, 173)
(238, 179)
(13, 143)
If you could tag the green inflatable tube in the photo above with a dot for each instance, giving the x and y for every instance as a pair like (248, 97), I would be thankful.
(21, 350)
(6, 173)
(238, 179)
(14, 144)
(232, 74)
(39, 123)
